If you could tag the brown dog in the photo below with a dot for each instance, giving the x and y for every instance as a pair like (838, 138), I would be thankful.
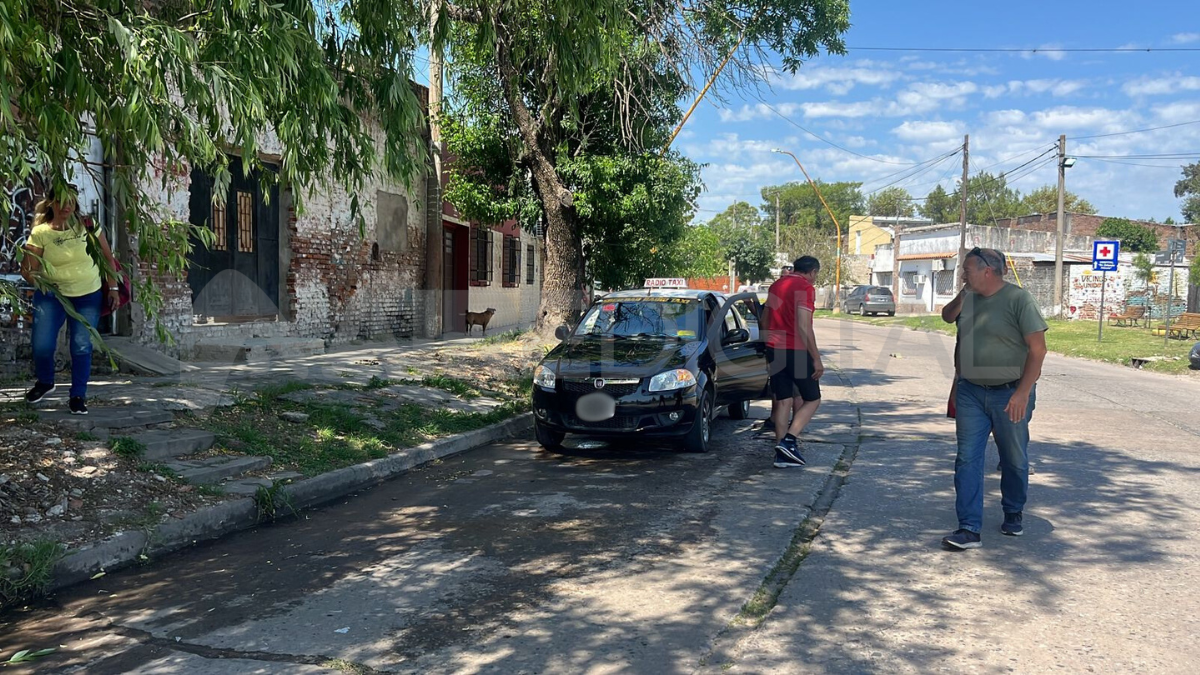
(479, 319)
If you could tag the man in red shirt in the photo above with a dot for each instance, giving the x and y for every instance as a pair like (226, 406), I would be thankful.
(794, 362)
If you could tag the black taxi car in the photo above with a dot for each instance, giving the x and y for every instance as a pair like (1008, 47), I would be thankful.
(651, 363)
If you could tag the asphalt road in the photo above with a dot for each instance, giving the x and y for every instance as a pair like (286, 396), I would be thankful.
(637, 559)
(505, 559)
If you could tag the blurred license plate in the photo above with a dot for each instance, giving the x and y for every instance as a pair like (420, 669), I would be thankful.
(595, 407)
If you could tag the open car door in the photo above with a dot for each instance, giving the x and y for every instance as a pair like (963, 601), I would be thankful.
(737, 346)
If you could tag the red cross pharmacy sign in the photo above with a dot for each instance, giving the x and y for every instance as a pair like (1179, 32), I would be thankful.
(1104, 256)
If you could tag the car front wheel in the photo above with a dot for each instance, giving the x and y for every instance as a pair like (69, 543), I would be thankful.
(546, 437)
(697, 438)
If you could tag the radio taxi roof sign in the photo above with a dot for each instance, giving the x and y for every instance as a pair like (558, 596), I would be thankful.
(1104, 256)
(666, 283)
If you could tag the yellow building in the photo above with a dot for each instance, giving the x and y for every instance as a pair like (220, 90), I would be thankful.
(867, 232)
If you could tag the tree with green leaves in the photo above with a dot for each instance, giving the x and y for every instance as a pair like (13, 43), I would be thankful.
(1188, 189)
(891, 202)
(988, 199)
(800, 207)
(1045, 200)
(940, 206)
(1134, 237)
(698, 254)
(545, 58)
(745, 240)
(167, 86)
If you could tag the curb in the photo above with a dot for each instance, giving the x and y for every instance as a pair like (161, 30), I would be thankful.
(127, 548)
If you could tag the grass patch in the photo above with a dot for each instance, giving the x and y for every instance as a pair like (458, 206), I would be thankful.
(377, 382)
(460, 388)
(25, 569)
(160, 469)
(150, 516)
(127, 448)
(510, 335)
(336, 435)
(209, 490)
(270, 392)
(767, 595)
(86, 436)
(271, 501)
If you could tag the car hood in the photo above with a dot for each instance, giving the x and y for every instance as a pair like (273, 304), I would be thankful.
(619, 358)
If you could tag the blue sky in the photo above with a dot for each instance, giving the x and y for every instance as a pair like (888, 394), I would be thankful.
(899, 108)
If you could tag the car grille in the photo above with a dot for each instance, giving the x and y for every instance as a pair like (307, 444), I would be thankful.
(618, 423)
(588, 387)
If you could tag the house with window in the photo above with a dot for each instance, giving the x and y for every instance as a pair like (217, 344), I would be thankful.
(275, 281)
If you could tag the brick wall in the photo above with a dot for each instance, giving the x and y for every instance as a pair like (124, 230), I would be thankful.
(335, 282)
(1081, 224)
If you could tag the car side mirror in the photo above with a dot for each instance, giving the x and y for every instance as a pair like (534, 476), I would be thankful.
(562, 333)
(736, 335)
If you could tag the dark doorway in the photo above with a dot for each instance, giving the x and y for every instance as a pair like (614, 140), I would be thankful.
(237, 278)
(454, 279)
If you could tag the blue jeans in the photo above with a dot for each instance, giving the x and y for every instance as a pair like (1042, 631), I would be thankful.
(980, 412)
(48, 318)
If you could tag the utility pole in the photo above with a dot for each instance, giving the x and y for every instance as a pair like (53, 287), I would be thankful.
(777, 223)
(433, 219)
(1058, 238)
(962, 206)
(896, 262)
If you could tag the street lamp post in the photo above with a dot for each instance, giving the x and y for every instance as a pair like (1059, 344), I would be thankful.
(837, 299)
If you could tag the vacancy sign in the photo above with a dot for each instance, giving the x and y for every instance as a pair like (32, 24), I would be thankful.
(1104, 256)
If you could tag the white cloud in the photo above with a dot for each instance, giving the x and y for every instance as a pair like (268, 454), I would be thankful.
(923, 97)
(757, 111)
(841, 109)
(1185, 38)
(995, 90)
(925, 132)
(857, 142)
(1151, 86)
(840, 80)
(1053, 86)
(1004, 117)
(1181, 111)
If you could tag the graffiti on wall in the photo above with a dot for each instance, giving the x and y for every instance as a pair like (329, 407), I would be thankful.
(18, 208)
(1085, 293)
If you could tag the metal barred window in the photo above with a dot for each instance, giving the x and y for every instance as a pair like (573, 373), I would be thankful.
(945, 282)
(220, 233)
(529, 264)
(245, 222)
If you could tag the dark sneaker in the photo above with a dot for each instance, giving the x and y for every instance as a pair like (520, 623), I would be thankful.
(962, 540)
(782, 461)
(789, 448)
(78, 405)
(38, 392)
(1012, 525)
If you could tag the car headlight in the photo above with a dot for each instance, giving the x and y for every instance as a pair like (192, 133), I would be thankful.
(543, 377)
(672, 380)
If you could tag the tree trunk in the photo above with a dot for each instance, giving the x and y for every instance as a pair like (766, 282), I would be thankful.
(562, 287)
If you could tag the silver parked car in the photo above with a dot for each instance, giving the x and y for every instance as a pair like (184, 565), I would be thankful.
(866, 300)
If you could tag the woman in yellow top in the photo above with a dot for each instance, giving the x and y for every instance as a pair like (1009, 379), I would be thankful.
(57, 257)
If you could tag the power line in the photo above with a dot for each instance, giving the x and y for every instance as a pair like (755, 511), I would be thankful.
(1053, 146)
(1172, 155)
(825, 140)
(1026, 50)
(914, 174)
(935, 160)
(1135, 131)
(1173, 167)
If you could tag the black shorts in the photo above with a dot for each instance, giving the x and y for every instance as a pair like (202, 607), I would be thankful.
(791, 374)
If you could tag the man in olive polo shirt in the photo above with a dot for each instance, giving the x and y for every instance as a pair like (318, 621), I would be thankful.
(1002, 343)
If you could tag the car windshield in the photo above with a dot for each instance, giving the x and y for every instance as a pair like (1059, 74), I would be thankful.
(646, 317)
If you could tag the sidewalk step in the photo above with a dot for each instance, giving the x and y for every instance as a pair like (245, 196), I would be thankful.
(171, 443)
(108, 418)
(216, 469)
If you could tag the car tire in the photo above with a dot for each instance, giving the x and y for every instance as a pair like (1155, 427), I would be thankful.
(697, 439)
(892, 313)
(546, 437)
(739, 410)
(862, 310)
